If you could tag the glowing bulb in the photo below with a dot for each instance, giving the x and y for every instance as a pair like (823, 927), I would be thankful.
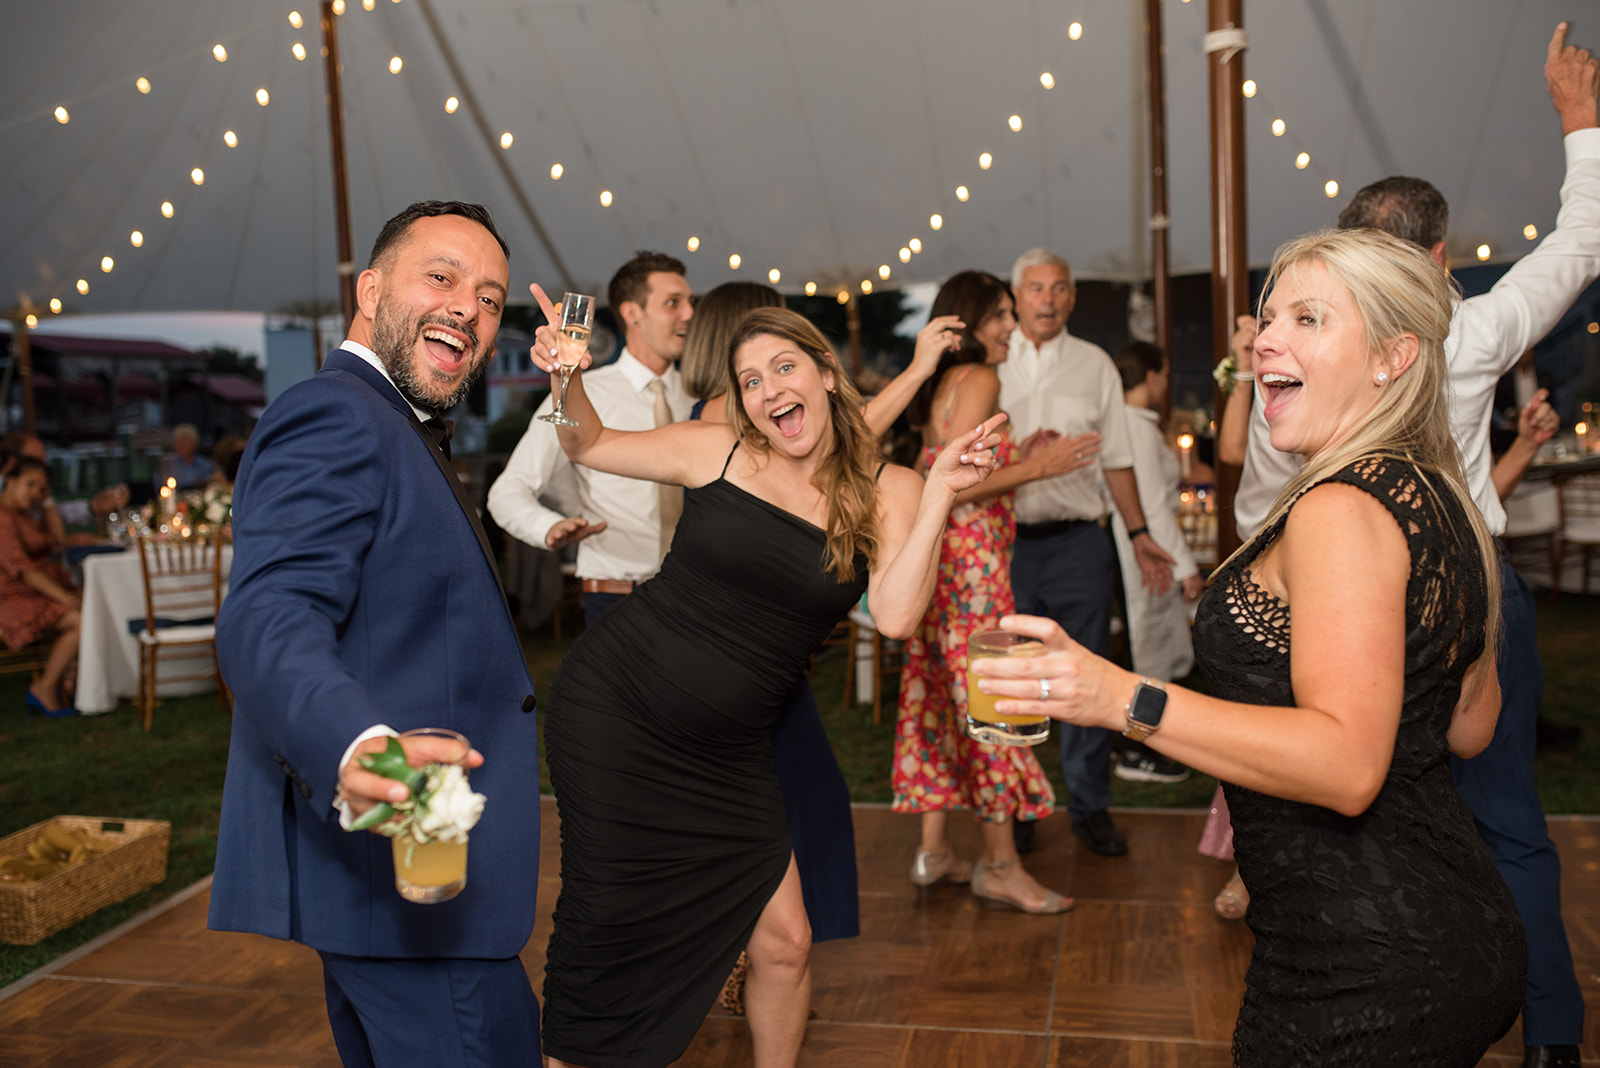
(1075, 31)
(136, 239)
(1249, 87)
(32, 320)
(811, 289)
(106, 263)
(295, 20)
(1047, 80)
(1531, 232)
(694, 244)
(220, 52)
(262, 96)
(1302, 161)
(338, 7)
(773, 275)
(961, 193)
(55, 305)
(734, 261)
(1483, 252)
(1015, 122)
(62, 117)
(883, 271)
(230, 139)
(143, 84)
(197, 176)
(450, 106)
(1331, 188)
(299, 50)
(866, 285)
(935, 221)
(166, 208)
(985, 161)
(1580, 429)
(506, 139)
(395, 64)
(1278, 127)
(915, 244)
(605, 198)
(369, 4)
(1594, 328)
(843, 297)
(1185, 441)
(83, 286)
(556, 171)
(905, 255)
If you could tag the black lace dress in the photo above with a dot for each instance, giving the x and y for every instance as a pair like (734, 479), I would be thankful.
(1386, 938)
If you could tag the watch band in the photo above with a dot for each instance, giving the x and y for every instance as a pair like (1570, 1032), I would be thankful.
(1136, 531)
(1145, 709)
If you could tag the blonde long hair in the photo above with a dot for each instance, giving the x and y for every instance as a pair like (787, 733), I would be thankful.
(846, 476)
(1397, 290)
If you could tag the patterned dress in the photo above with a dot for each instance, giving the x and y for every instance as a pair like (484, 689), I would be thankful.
(936, 766)
(26, 615)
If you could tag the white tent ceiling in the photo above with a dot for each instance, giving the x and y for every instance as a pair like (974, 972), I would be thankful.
(811, 136)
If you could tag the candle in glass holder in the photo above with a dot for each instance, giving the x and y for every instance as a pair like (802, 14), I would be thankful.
(1581, 430)
(1185, 455)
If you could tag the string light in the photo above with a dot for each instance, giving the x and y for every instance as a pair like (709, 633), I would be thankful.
(734, 261)
(1594, 328)
(773, 275)
(230, 139)
(556, 171)
(143, 85)
(506, 139)
(915, 244)
(1047, 80)
(1302, 161)
(450, 106)
(369, 4)
(1531, 232)
(843, 297)
(166, 208)
(299, 50)
(262, 96)
(220, 52)
(935, 221)
(62, 117)
(295, 20)
(1483, 252)
(605, 198)
(55, 305)
(866, 286)
(395, 64)
(1075, 31)
(1249, 87)
(1015, 122)
(197, 176)
(694, 244)
(985, 161)
(1278, 126)
(905, 255)
(883, 271)
(32, 320)
(83, 286)
(338, 7)
(961, 193)
(106, 263)
(1331, 188)
(136, 239)
(811, 289)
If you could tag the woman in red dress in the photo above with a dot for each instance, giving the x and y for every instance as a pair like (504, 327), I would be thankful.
(36, 593)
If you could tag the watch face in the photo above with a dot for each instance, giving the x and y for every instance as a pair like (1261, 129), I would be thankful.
(1149, 703)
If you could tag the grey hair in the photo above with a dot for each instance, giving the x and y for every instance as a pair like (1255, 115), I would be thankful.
(1037, 257)
(1409, 208)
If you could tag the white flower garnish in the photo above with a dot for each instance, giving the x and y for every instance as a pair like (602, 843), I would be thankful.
(449, 808)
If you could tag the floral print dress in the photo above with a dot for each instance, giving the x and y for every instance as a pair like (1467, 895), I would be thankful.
(936, 765)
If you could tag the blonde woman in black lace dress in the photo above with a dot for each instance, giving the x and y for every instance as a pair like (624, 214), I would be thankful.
(1349, 648)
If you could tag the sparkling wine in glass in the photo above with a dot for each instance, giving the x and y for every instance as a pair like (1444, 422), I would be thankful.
(572, 341)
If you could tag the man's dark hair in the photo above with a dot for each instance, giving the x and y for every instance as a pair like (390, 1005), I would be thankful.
(25, 464)
(1408, 208)
(632, 280)
(1137, 359)
(394, 231)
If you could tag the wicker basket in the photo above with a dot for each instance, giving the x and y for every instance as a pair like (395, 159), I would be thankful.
(130, 856)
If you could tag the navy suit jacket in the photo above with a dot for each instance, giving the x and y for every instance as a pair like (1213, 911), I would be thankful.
(362, 593)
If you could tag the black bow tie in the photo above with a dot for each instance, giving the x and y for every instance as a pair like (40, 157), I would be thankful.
(441, 431)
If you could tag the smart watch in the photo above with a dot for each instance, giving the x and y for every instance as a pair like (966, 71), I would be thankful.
(1145, 709)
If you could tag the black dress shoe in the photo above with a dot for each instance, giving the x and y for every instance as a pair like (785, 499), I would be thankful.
(1551, 1057)
(1100, 834)
(1022, 835)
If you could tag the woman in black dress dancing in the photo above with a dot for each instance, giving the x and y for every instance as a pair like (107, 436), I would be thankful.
(675, 854)
(1350, 650)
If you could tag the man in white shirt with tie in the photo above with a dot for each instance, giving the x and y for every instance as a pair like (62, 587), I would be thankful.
(624, 525)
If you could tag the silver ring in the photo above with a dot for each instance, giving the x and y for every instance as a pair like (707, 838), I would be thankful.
(1044, 689)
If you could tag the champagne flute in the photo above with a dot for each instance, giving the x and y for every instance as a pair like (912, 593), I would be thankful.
(572, 341)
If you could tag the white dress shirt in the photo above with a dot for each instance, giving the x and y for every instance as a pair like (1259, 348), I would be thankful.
(1071, 386)
(520, 499)
(1487, 336)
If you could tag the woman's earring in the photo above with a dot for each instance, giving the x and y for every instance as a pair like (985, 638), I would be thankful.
(1383, 377)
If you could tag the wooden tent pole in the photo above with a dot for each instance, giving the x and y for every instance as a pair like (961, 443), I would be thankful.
(24, 360)
(1230, 269)
(1156, 97)
(341, 188)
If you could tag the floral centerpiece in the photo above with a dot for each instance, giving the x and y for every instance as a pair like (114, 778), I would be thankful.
(216, 505)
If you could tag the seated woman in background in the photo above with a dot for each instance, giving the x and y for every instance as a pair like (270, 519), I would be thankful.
(1350, 650)
(36, 594)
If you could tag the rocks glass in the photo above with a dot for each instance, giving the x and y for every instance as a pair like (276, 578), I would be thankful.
(984, 724)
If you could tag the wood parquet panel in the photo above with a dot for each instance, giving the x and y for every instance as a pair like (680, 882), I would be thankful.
(1142, 974)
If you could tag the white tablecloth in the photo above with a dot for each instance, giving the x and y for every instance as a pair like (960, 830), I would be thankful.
(108, 651)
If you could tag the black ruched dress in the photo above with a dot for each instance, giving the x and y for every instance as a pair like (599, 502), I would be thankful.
(1386, 938)
(658, 729)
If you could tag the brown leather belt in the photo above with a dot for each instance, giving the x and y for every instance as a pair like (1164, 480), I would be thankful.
(609, 586)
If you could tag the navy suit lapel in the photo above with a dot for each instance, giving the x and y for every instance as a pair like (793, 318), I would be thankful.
(349, 362)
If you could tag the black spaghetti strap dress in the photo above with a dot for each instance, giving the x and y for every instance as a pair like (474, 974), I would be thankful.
(1387, 938)
(658, 730)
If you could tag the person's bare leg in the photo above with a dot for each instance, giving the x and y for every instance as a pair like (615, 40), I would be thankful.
(1002, 876)
(48, 686)
(777, 992)
(934, 839)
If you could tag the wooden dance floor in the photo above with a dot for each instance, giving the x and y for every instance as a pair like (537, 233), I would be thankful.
(1141, 974)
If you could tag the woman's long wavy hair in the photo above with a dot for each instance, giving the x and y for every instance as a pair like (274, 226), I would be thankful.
(846, 477)
(973, 296)
(1397, 290)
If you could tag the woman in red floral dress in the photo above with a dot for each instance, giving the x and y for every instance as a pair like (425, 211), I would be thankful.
(937, 767)
(36, 594)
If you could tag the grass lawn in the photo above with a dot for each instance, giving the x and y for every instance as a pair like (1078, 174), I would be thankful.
(108, 766)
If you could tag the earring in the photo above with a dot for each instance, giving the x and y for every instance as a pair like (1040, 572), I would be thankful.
(1383, 376)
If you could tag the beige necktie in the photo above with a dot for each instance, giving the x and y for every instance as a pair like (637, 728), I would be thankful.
(669, 498)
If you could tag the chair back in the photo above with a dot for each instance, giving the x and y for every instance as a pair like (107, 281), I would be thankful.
(182, 579)
(1580, 508)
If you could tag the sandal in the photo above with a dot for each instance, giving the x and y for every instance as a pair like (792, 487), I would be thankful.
(930, 868)
(1233, 901)
(1053, 903)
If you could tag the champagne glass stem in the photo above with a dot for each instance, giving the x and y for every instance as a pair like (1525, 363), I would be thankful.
(566, 379)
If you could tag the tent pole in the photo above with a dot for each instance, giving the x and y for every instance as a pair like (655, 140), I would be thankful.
(852, 322)
(1230, 270)
(1156, 97)
(341, 188)
(24, 362)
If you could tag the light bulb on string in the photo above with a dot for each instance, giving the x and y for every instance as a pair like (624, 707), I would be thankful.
(734, 261)
(866, 285)
(774, 275)
(694, 244)
(905, 255)
(166, 208)
(450, 105)
(556, 171)
(1075, 31)
(220, 52)
(843, 297)
(55, 305)
(985, 161)
(338, 7)
(962, 193)
(1249, 87)
(263, 97)
(1331, 188)
(62, 117)
(369, 4)
(197, 176)
(1278, 126)
(1531, 232)
(935, 221)
(1302, 161)
(83, 286)
(107, 263)
(506, 139)
(136, 239)
(143, 85)
(395, 64)
(1047, 80)
(299, 50)
(230, 139)
(915, 244)
(811, 289)
(883, 271)
(605, 198)
(295, 20)
(32, 320)
(1015, 122)
(1483, 252)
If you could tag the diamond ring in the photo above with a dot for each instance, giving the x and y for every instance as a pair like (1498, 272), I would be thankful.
(1044, 689)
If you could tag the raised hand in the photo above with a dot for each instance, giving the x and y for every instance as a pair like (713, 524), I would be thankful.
(544, 338)
(1573, 76)
(1244, 343)
(933, 341)
(968, 459)
(1538, 421)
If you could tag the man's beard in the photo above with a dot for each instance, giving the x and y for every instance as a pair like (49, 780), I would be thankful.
(394, 341)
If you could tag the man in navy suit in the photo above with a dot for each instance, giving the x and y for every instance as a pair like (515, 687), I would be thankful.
(365, 601)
